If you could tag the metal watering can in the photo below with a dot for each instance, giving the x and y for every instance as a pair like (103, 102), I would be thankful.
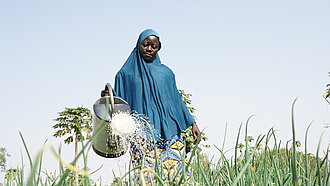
(106, 144)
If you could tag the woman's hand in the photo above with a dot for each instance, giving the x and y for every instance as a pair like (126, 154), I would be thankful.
(105, 92)
(196, 133)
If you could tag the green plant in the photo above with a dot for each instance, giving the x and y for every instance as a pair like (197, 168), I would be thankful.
(186, 97)
(12, 176)
(264, 160)
(187, 135)
(327, 98)
(327, 93)
(3, 155)
(74, 122)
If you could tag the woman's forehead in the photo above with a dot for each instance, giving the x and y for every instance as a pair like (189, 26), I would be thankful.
(151, 38)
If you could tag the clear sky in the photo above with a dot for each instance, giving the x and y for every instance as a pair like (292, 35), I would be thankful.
(237, 58)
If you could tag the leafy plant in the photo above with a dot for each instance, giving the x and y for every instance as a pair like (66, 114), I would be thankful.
(187, 135)
(77, 123)
(12, 176)
(187, 101)
(327, 93)
(263, 160)
(327, 98)
(3, 155)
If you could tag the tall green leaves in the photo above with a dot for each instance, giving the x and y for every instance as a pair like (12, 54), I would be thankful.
(293, 161)
(260, 161)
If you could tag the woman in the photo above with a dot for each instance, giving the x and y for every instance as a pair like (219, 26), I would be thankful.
(150, 89)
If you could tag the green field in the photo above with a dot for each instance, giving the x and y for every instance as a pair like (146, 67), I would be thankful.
(264, 160)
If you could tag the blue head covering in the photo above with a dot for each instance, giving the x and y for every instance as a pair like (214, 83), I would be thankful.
(150, 89)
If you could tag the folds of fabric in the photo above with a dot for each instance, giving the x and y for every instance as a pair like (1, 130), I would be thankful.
(150, 89)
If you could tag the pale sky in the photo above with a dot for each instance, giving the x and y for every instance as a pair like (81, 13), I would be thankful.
(237, 58)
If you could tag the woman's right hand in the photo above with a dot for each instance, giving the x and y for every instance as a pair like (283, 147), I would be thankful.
(105, 92)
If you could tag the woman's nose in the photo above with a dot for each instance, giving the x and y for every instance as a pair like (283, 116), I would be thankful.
(149, 47)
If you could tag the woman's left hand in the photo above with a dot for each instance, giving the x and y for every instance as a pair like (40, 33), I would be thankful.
(196, 133)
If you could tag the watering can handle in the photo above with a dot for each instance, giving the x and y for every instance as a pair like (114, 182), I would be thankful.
(112, 100)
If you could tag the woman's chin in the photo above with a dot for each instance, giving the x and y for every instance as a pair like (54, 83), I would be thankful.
(148, 60)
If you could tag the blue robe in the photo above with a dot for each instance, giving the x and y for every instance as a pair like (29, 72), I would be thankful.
(150, 89)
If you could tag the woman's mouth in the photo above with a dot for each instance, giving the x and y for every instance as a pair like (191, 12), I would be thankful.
(147, 55)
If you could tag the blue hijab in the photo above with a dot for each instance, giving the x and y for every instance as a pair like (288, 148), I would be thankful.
(150, 89)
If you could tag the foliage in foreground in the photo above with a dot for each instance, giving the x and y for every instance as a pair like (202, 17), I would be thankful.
(3, 155)
(261, 161)
(255, 162)
(327, 93)
(74, 122)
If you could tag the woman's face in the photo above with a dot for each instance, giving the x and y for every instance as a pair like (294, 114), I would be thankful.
(149, 48)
